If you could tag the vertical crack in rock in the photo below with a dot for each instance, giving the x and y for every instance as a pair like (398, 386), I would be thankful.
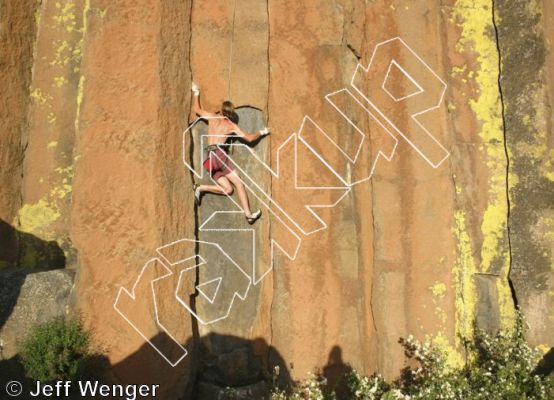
(230, 66)
(374, 253)
(23, 148)
(523, 34)
(192, 299)
(268, 63)
(344, 40)
(354, 51)
(270, 183)
(506, 152)
(24, 138)
(461, 315)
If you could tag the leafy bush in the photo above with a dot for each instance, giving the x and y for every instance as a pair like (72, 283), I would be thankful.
(500, 367)
(56, 350)
(314, 388)
(367, 388)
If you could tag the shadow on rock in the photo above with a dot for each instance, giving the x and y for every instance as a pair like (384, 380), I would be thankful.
(546, 365)
(217, 367)
(13, 370)
(21, 249)
(335, 372)
(20, 255)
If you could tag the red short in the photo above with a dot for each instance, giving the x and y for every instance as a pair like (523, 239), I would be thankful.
(218, 164)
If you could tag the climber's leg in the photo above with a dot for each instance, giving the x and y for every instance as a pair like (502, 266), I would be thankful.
(223, 187)
(241, 190)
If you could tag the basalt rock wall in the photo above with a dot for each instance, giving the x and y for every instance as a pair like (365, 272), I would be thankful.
(428, 225)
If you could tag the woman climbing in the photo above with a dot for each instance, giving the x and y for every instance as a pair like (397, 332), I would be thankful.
(221, 125)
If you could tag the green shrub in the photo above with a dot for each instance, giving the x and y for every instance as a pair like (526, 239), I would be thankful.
(314, 388)
(500, 367)
(56, 350)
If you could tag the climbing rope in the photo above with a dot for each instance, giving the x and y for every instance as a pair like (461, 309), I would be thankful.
(231, 50)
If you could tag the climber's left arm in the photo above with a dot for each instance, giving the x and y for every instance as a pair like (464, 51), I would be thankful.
(250, 137)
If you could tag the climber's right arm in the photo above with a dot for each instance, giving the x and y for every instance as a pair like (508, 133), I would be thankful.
(196, 107)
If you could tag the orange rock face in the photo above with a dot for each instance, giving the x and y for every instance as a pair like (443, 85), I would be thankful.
(393, 185)
(16, 49)
(133, 195)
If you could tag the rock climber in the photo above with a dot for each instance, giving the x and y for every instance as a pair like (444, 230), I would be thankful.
(221, 126)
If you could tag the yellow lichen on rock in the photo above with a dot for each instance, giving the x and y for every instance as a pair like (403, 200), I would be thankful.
(477, 26)
(475, 19)
(66, 17)
(51, 118)
(466, 296)
(453, 357)
(39, 97)
(34, 217)
(60, 81)
(80, 89)
(438, 289)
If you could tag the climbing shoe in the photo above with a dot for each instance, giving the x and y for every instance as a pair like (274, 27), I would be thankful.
(197, 194)
(254, 217)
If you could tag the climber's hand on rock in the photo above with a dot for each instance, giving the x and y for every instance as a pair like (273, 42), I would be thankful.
(265, 131)
(195, 89)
